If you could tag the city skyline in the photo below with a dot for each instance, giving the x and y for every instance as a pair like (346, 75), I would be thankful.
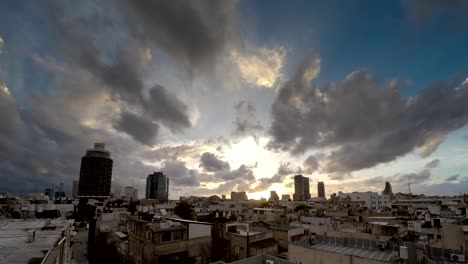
(236, 96)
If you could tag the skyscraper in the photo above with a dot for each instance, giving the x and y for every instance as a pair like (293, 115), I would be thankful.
(95, 173)
(273, 197)
(301, 188)
(388, 189)
(157, 186)
(321, 190)
(75, 189)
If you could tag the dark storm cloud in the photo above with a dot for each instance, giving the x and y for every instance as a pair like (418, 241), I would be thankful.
(192, 32)
(11, 124)
(243, 172)
(365, 122)
(311, 164)
(179, 174)
(140, 129)
(432, 164)
(246, 122)
(453, 178)
(210, 162)
(121, 73)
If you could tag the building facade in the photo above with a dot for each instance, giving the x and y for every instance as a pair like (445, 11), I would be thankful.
(321, 190)
(157, 186)
(95, 173)
(239, 196)
(372, 200)
(301, 188)
(75, 189)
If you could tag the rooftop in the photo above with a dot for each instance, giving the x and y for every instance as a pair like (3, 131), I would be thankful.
(356, 247)
(14, 234)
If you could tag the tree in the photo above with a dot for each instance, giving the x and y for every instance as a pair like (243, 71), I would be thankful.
(185, 210)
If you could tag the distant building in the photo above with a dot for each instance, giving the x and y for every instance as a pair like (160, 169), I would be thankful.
(135, 194)
(95, 173)
(157, 186)
(321, 190)
(239, 196)
(223, 197)
(285, 197)
(117, 193)
(129, 191)
(75, 189)
(273, 197)
(388, 189)
(372, 200)
(50, 192)
(301, 188)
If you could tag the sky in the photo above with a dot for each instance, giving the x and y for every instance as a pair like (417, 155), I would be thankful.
(236, 95)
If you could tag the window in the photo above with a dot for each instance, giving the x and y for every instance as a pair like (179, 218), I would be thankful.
(166, 236)
(177, 235)
(439, 236)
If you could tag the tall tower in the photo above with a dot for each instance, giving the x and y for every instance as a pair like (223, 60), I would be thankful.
(95, 173)
(301, 188)
(321, 190)
(157, 186)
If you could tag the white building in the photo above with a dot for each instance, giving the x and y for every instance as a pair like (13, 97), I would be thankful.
(372, 200)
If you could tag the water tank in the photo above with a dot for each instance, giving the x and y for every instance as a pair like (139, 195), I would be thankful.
(403, 252)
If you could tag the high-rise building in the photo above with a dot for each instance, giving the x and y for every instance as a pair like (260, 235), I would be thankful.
(273, 197)
(301, 188)
(135, 194)
(157, 186)
(239, 196)
(129, 193)
(388, 189)
(117, 193)
(75, 189)
(321, 190)
(50, 192)
(285, 197)
(95, 173)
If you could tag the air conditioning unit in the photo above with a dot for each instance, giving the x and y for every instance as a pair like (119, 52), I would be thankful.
(382, 245)
(457, 257)
(269, 262)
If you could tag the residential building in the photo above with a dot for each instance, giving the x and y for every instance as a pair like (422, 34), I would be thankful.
(320, 190)
(372, 200)
(246, 241)
(35, 241)
(168, 241)
(157, 186)
(285, 198)
(301, 188)
(95, 173)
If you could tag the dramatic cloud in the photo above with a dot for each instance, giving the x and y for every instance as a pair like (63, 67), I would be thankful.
(433, 164)
(11, 123)
(452, 178)
(311, 164)
(194, 33)
(246, 122)
(363, 121)
(261, 67)
(123, 75)
(140, 129)
(179, 174)
(211, 163)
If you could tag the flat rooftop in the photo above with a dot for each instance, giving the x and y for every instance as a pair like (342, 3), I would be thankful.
(356, 247)
(14, 233)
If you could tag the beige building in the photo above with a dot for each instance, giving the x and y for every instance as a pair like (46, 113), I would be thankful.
(166, 241)
(245, 241)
